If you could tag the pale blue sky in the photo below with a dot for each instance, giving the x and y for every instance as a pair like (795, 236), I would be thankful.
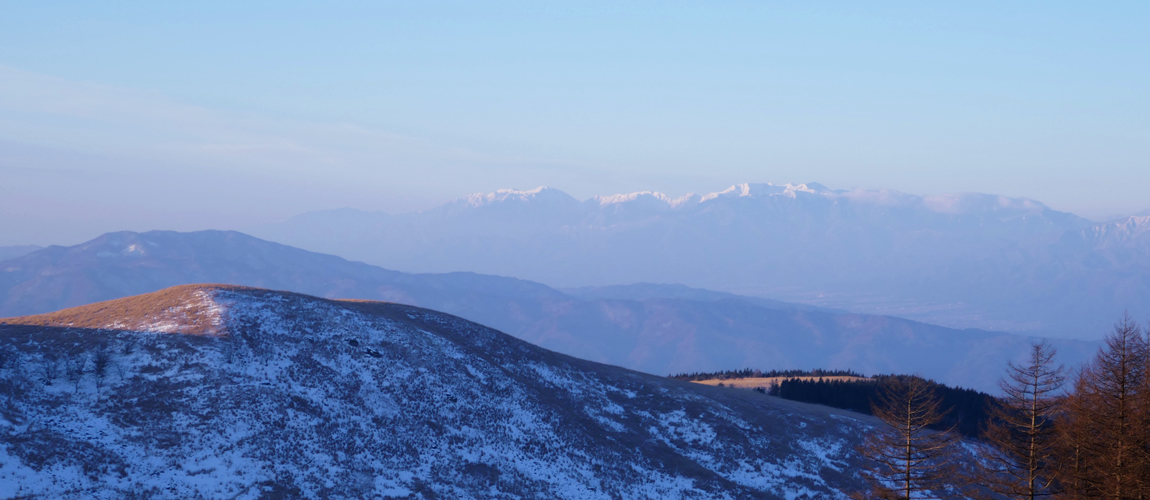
(190, 115)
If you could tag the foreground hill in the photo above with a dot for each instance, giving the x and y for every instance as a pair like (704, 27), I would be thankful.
(231, 392)
(963, 261)
(657, 329)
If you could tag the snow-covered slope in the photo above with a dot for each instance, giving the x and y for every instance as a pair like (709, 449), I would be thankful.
(658, 329)
(965, 260)
(229, 392)
(1134, 230)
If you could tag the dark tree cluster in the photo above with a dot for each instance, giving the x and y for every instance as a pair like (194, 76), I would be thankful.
(1051, 435)
(750, 373)
(968, 409)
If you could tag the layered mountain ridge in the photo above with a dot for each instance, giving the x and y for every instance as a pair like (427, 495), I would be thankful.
(961, 260)
(660, 329)
(286, 395)
(954, 203)
(11, 252)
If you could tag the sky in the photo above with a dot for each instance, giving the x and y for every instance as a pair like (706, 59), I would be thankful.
(197, 115)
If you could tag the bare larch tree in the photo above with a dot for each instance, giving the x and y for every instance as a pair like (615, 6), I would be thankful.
(1074, 446)
(101, 359)
(905, 459)
(1108, 416)
(1020, 445)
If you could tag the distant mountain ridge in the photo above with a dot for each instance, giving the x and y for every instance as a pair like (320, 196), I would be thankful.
(11, 252)
(953, 204)
(961, 260)
(660, 329)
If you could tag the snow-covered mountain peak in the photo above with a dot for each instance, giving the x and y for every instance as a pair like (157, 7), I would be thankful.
(539, 194)
(1137, 226)
(1118, 232)
(615, 199)
(736, 191)
(792, 190)
(647, 198)
(650, 199)
(789, 190)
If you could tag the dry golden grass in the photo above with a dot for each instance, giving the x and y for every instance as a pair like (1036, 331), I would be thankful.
(183, 307)
(186, 309)
(753, 382)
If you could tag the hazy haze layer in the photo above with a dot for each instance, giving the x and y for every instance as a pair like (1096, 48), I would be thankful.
(657, 329)
(965, 260)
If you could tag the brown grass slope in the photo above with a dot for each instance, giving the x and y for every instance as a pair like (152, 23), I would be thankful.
(183, 309)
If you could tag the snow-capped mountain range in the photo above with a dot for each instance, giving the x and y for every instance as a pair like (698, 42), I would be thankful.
(659, 329)
(963, 260)
(226, 392)
(946, 204)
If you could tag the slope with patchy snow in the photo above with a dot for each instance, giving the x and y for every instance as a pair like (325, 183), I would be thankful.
(290, 395)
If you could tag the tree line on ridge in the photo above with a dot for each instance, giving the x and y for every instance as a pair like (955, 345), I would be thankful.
(1053, 433)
